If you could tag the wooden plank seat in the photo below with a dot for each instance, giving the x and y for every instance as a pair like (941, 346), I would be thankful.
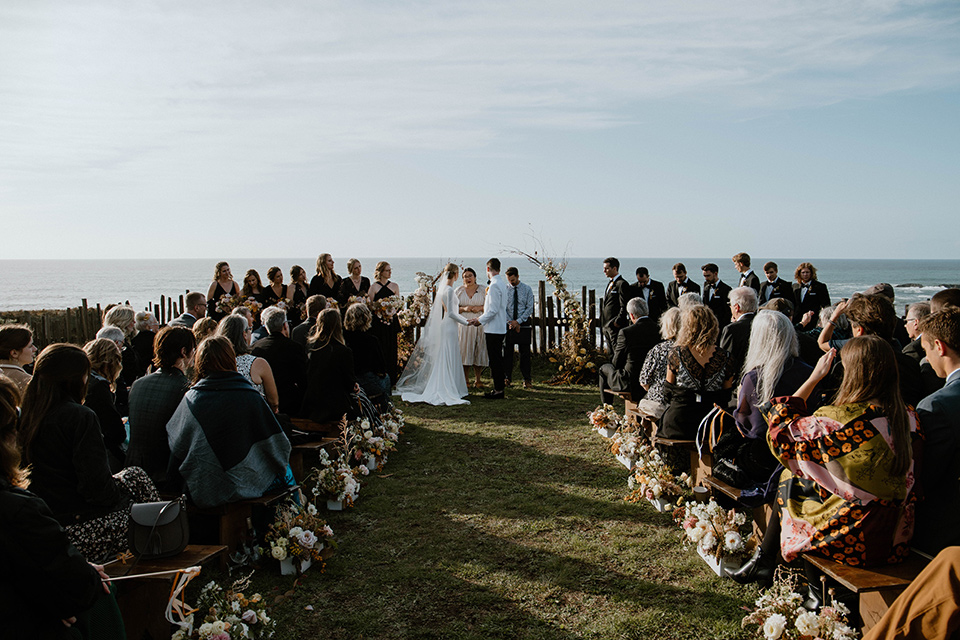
(330, 429)
(761, 514)
(142, 600)
(300, 454)
(876, 587)
(228, 523)
(631, 411)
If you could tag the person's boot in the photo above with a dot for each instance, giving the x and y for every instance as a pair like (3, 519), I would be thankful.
(759, 568)
(812, 602)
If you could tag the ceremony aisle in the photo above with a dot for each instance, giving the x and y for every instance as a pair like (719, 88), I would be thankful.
(507, 520)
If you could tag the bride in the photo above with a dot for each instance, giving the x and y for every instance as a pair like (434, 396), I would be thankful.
(434, 372)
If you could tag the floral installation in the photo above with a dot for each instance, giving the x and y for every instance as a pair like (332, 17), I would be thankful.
(335, 479)
(605, 417)
(577, 359)
(227, 303)
(627, 445)
(714, 530)
(298, 533)
(780, 613)
(364, 442)
(419, 304)
(228, 615)
(652, 479)
(385, 309)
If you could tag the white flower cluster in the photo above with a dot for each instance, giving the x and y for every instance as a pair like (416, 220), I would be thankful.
(779, 614)
(713, 529)
(420, 302)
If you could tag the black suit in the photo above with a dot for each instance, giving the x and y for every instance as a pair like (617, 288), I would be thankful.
(817, 298)
(719, 301)
(613, 311)
(779, 288)
(656, 297)
(929, 380)
(633, 344)
(289, 364)
(673, 291)
(938, 515)
(302, 331)
(735, 340)
(750, 281)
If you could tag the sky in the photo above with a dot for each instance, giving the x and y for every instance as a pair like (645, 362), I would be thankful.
(697, 128)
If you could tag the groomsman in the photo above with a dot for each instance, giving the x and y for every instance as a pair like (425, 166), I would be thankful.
(651, 291)
(774, 286)
(809, 294)
(519, 329)
(680, 285)
(716, 294)
(613, 311)
(494, 321)
(747, 277)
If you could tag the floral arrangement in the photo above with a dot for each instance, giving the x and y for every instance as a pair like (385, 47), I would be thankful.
(228, 615)
(386, 308)
(714, 530)
(364, 442)
(418, 309)
(298, 533)
(627, 445)
(354, 299)
(254, 306)
(393, 422)
(605, 417)
(779, 614)
(227, 303)
(335, 479)
(652, 479)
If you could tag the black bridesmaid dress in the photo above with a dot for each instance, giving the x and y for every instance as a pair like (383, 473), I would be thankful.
(386, 333)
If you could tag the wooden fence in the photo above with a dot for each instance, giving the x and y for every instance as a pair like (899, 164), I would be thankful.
(80, 324)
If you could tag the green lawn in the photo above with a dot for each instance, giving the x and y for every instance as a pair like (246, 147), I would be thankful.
(506, 520)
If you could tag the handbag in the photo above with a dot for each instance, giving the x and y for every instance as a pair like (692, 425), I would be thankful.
(159, 529)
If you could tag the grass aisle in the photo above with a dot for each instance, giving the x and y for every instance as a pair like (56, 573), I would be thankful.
(507, 520)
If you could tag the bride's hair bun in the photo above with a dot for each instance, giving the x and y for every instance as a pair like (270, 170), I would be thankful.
(451, 270)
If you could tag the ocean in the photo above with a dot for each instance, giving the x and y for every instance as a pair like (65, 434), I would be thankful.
(58, 284)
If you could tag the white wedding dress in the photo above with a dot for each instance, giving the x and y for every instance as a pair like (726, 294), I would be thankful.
(434, 372)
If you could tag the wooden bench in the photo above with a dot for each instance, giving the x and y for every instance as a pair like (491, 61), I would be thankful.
(142, 600)
(876, 587)
(631, 411)
(300, 453)
(329, 429)
(233, 520)
(761, 514)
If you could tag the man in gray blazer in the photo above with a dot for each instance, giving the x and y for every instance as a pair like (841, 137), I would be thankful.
(938, 515)
(196, 304)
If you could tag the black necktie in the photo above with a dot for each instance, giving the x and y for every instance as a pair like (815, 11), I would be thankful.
(515, 303)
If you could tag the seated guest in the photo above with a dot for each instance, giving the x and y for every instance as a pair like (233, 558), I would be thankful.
(195, 304)
(652, 293)
(257, 332)
(101, 385)
(680, 285)
(748, 278)
(773, 369)
(225, 443)
(716, 294)
(315, 304)
(60, 440)
(112, 334)
(846, 492)
(938, 515)
(147, 326)
(16, 351)
(204, 328)
(735, 338)
(809, 294)
(634, 342)
(47, 585)
(654, 372)
(886, 290)
(689, 300)
(123, 317)
(699, 375)
(330, 376)
(286, 358)
(774, 286)
(929, 380)
(256, 370)
(943, 299)
(154, 398)
(368, 363)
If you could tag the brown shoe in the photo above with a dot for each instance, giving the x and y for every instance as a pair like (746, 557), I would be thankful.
(527, 384)
(506, 382)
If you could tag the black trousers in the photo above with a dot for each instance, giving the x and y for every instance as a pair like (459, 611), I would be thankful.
(495, 354)
(522, 340)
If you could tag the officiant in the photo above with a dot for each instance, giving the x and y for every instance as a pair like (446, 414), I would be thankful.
(519, 328)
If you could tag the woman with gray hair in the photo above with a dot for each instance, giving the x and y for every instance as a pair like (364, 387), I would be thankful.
(123, 317)
(257, 371)
(147, 326)
(654, 372)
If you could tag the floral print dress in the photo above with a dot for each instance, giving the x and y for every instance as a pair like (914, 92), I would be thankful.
(838, 495)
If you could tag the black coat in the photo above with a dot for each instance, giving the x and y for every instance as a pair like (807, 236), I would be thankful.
(929, 380)
(817, 298)
(750, 281)
(103, 402)
(330, 381)
(673, 291)
(779, 288)
(289, 364)
(735, 340)
(719, 302)
(143, 345)
(938, 514)
(367, 354)
(633, 344)
(656, 299)
(302, 331)
(153, 399)
(613, 311)
(45, 579)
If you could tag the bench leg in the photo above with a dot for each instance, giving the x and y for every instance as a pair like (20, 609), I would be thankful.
(141, 604)
(233, 526)
(873, 604)
(296, 465)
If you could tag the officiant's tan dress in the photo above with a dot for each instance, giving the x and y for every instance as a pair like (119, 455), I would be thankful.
(473, 347)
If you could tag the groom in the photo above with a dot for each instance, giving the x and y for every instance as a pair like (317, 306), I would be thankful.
(494, 321)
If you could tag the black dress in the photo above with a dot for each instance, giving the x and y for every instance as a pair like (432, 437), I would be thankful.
(348, 290)
(218, 293)
(386, 333)
(269, 297)
(298, 307)
(319, 287)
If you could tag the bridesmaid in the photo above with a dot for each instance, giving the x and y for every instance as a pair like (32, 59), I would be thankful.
(276, 291)
(473, 347)
(223, 285)
(300, 293)
(386, 330)
(253, 288)
(353, 285)
(326, 283)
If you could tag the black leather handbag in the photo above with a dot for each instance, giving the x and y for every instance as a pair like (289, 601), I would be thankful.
(159, 529)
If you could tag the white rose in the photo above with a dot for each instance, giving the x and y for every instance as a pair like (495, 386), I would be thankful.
(307, 539)
(278, 553)
(205, 630)
(295, 532)
(808, 623)
(695, 533)
(774, 626)
(708, 541)
(732, 541)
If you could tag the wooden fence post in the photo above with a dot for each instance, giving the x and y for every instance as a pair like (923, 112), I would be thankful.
(592, 316)
(542, 297)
